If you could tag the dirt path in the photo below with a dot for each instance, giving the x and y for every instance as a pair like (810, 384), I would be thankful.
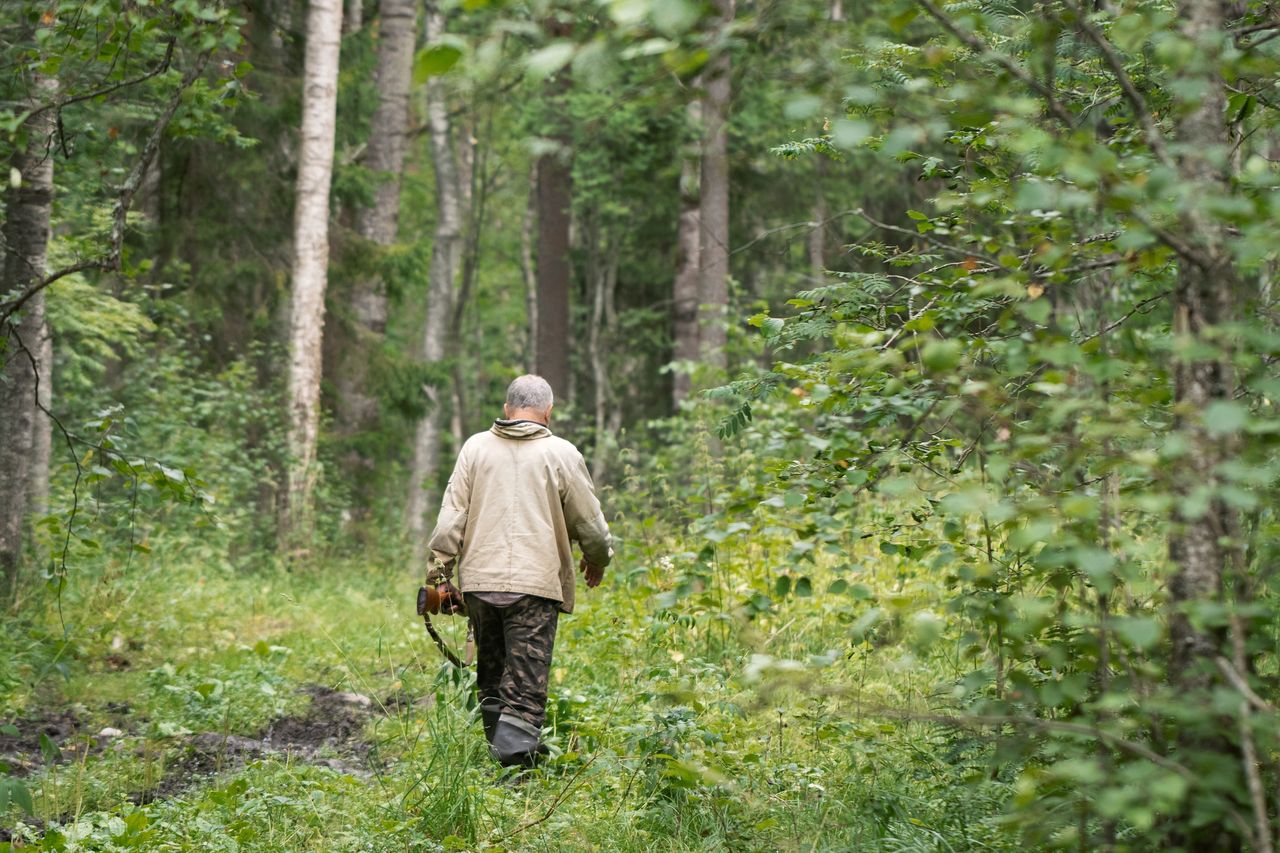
(328, 733)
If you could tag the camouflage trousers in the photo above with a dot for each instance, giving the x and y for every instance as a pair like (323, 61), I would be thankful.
(513, 656)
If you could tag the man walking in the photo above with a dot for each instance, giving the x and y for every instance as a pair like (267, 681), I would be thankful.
(517, 496)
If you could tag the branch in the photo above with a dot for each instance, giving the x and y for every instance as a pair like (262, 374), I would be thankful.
(983, 49)
(59, 103)
(1134, 310)
(933, 241)
(1237, 680)
(1131, 94)
(68, 438)
(1180, 247)
(131, 184)
(111, 260)
(11, 307)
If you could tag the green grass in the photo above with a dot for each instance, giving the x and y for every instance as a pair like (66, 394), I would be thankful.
(676, 722)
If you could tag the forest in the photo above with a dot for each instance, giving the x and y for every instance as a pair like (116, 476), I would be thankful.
(921, 353)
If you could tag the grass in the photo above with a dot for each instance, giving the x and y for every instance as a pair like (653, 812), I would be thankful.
(676, 722)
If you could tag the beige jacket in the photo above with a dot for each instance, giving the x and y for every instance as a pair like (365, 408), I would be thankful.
(517, 496)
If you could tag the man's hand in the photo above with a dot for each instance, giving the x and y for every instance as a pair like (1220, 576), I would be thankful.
(593, 574)
(450, 599)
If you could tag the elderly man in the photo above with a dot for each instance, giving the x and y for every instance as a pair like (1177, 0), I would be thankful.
(517, 496)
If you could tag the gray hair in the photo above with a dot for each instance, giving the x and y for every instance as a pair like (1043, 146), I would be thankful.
(529, 392)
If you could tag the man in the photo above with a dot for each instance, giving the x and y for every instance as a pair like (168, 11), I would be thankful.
(517, 496)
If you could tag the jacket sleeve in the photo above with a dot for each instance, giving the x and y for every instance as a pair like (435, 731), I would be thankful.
(446, 540)
(583, 516)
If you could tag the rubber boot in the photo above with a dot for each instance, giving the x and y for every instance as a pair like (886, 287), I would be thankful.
(489, 719)
(515, 743)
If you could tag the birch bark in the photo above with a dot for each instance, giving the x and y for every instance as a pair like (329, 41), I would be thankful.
(684, 295)
(713, 247)
(310, 264)
(446, 252)
(355, 404)
(26, 238)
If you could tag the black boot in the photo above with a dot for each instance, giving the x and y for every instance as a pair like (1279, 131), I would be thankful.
(515, 743)
(489, 719)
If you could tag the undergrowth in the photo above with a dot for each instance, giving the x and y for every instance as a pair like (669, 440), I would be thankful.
(719, 691)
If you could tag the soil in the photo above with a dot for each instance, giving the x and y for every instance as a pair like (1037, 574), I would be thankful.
(328, 733)
(22, 751)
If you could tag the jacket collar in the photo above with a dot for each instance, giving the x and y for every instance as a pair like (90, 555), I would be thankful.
(520, 430)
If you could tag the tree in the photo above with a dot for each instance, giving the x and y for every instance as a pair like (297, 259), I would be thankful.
(713, 208)
(1044, 366)
(355, 401)
(310, 263)
(554, 200)
(554, 196)
(28, 202)
(685, 288)
(446, 254)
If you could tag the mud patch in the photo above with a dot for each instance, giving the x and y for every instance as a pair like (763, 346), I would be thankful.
(335, 721)
(25, 752)
(328, 734)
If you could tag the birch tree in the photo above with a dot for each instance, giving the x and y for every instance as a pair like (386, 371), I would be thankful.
(355, 404)
(310, 263)
(684, 295)
(28, 202)
(446, 254)
(713, 215)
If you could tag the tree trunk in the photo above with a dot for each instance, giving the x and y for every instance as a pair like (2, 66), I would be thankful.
(26, 239)
(353, 17)
(529, 271)
(1202, 544)
(310, 264)
(604, 281)
(553, 270)
(684, 295)
(818, 234)
(1204, 300)
(714, 202)
(446, 252)
(355, 404)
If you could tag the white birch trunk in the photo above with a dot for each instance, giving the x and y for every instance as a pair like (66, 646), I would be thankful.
(446, 252)
(353, 17)
(606, 281)
(529, 271)
(714, 201)
(310, 264)
(684, 295)
(26, 239)
(356, 406)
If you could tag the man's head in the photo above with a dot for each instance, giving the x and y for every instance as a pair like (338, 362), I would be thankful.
(529, 398)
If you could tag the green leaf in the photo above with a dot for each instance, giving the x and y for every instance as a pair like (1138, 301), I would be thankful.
(850, 133)
(21, 794)
(804, 587)
(49, 749)
(434, 60)
(1224, 417)
(1139, 632)
(550, 59)
(941, 355)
